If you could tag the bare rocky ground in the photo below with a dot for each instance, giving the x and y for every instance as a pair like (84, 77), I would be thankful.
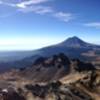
(55, 78)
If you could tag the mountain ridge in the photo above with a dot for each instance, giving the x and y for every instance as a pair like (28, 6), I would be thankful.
(77, 42)
(73, 47)
(53, 78)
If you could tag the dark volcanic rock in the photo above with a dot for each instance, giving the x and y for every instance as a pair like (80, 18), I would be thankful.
(10, 95)
(54, 68)
(82, 66)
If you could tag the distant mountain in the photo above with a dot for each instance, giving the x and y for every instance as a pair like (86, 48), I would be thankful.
(73, 47)
(51, 68)
(76, 42)
(48, 74)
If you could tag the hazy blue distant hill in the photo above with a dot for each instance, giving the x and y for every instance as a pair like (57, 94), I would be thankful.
(6, 56)
(73, 47)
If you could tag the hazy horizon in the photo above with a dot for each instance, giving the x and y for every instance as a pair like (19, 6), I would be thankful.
(33, 24)
(30, 47)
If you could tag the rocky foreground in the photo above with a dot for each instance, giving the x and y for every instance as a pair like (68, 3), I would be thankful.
(70, 80)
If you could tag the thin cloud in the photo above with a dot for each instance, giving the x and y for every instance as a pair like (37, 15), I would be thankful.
(43, 10)
(37, 9)
(9, 12)
(36, 6)
(7, 4)
(63, 16)
(24, 4)
(93, 24)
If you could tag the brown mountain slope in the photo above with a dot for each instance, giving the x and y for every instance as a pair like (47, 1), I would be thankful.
(86, 87)
(53, 78)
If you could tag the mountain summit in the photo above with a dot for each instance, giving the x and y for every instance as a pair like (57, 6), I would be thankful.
(74, 42)
(73, 47)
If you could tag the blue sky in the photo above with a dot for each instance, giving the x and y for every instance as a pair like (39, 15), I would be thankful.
(32, 24)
